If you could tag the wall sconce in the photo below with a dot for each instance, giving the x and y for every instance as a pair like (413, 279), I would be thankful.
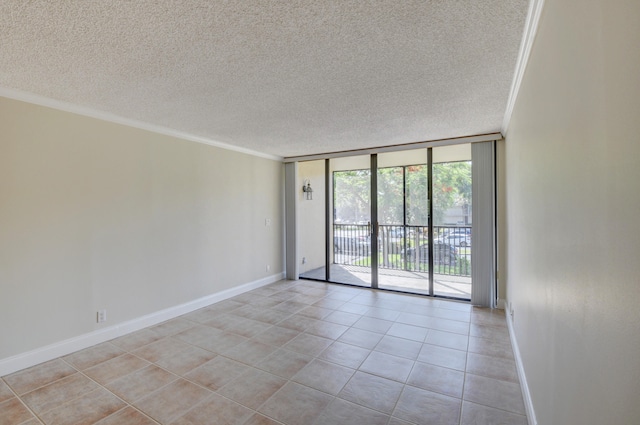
(306, 189)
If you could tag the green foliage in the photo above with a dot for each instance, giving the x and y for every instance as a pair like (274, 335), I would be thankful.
(390, 194)
(351, 196)
(417, 195)
(464, 266)
(451, 186)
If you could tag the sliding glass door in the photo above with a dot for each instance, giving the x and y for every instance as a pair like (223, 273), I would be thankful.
(399, 221)
(351, 224)
(403, 221)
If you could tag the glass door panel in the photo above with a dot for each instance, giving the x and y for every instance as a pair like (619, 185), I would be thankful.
(351, 225)
(390, 217)
(403, 212)
(452, 221)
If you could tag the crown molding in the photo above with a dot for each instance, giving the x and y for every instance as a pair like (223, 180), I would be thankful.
(116, 119)
(530, 30)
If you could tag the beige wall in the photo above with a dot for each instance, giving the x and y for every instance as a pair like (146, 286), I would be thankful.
(95, 215)
(573, 203)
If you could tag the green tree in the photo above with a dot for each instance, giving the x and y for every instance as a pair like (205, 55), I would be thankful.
(451, 186)
(351, 196)
(417, 191)
(390, 193)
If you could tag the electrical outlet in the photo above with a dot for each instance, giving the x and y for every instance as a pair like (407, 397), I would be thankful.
(102, 316)
(268, 268)
(267, 222)
(304, 260)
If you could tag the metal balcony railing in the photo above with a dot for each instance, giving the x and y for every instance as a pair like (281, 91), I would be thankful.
(405, 247)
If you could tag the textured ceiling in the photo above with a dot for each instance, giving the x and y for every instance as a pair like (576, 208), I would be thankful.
(284, 78)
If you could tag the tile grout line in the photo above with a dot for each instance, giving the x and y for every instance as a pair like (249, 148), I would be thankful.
(19, 398)
(464, 383)
(316, 357)
(189, 380)
(377, 304)
(127, 404)
(129, 352)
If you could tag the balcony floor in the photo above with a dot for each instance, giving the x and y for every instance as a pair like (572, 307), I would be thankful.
(400, 280)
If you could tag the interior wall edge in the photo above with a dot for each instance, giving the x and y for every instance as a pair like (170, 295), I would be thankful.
(71, 345)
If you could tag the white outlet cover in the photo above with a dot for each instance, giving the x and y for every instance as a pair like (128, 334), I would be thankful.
(102, 316)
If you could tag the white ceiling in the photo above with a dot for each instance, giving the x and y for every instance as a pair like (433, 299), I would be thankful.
(284, 78)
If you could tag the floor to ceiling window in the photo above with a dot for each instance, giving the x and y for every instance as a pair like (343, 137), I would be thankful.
(400, 221)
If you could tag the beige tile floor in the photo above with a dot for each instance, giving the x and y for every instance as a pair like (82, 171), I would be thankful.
(288, 353)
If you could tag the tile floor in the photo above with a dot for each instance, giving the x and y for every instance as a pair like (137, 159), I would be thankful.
(288, 353)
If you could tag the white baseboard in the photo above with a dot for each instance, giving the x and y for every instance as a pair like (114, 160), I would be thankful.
(62, 348)
(526, 395)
